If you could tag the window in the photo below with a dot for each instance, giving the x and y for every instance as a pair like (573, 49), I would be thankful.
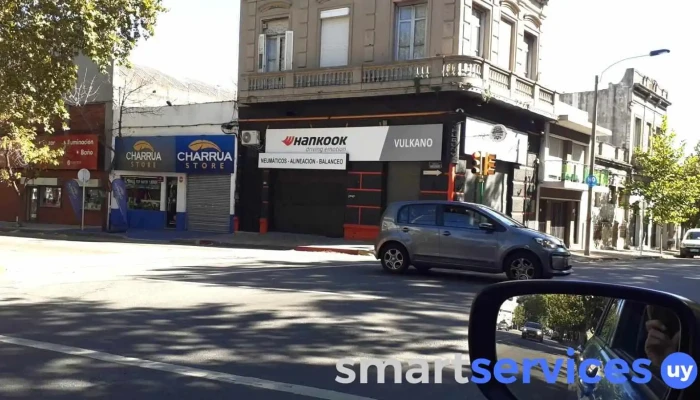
(418, 214)
(411, 30)
(692, 235)
(530, 56)
(637, 132)
(461, 217)
(50, 197)
(335, 37)
(143, 193)
(478, 31)
(93, 199)
(648, 135)
(505, 49)
(275, 46)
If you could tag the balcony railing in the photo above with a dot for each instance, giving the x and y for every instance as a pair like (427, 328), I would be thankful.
(572, 171)
(463, 73)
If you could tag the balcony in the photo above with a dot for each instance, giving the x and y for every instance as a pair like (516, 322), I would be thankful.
(562, 174)
(453, 73)
(612, 153)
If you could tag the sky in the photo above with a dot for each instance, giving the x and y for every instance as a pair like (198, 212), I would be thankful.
(199, 40)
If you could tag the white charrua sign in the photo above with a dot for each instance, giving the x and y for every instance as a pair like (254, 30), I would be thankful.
(507, 144)
(302, 161)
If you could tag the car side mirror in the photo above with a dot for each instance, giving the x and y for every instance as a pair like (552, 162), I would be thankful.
(486, 226)
(507, 357)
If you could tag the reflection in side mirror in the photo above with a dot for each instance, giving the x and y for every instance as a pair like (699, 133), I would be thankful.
(556, 324)
(486, 226)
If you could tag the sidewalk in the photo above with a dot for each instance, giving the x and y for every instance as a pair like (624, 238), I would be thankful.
(620, 255)
(268, 241)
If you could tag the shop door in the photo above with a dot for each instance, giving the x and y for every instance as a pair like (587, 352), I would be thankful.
(403, 181)
(558, 228)
(171, 201)
(209, 203)
(308, 202)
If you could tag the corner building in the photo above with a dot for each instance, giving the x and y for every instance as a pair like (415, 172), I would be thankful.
(343, 112)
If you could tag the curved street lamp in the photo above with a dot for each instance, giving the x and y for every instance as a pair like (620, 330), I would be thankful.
(591, 163)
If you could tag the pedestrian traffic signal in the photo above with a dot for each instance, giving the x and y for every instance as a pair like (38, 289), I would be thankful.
(490, 164)
(477, 166)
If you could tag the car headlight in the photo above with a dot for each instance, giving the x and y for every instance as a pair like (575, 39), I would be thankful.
(682, 245)
(547, 243)
(539, 333)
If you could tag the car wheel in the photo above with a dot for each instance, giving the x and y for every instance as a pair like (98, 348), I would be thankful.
(394, 258)
(523, 266)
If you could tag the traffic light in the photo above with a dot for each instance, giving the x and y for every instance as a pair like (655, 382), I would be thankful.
(490, 167)
(476, 163)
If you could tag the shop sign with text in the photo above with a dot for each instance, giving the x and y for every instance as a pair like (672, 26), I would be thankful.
(209, 154)
(146, 153)
(302, 161)
(507, 144)
(372, 143)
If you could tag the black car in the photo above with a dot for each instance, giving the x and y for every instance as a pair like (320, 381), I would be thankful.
(533, 331)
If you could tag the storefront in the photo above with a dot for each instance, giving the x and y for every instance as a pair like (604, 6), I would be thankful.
(176, 182)
(336, 181)
(45, 199)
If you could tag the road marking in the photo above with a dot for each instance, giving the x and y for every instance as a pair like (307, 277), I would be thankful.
(186, 371)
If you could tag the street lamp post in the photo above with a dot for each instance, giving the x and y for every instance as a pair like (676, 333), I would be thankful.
(591, 161)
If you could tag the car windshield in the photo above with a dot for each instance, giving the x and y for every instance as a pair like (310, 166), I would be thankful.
(501, 218)
(695, 235)
(533, 325)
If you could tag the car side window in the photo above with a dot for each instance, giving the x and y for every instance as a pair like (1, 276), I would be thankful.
(608, 325)
(461, 217)
(418, 214)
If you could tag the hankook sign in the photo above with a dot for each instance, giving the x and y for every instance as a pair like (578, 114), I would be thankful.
(371, 143)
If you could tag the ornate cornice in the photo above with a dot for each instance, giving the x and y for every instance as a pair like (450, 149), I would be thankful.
(276, 4)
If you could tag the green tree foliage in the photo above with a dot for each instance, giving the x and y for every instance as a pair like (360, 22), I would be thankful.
(694, 219)
(531, 308)
(666, 178)
(572, 313)
(39, 40)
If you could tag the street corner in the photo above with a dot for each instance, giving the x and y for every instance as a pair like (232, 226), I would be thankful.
(336, 250)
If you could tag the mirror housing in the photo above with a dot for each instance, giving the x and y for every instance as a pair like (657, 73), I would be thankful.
(485, 226)
(485, 309)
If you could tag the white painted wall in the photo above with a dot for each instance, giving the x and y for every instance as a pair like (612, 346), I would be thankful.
(190, 119)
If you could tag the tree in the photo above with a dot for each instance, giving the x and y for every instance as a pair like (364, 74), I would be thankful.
(573, 313)
(39, 41)
(694, 220)
(532, 308)
(666, 178)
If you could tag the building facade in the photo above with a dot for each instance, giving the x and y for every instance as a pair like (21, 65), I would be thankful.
(178, 169)
(406, 102)
(633, 110)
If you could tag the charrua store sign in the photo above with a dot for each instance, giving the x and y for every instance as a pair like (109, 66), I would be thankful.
(186, 154)
(373, 143)
(205, 154)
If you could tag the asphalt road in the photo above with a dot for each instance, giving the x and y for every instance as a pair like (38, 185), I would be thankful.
(130, 321)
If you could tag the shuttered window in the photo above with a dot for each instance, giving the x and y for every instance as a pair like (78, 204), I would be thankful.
(275, 46)
(335, 37)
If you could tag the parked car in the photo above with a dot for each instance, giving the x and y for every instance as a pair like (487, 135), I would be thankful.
(690, 245)
(502, 326)
(533, 331)
(466, 236)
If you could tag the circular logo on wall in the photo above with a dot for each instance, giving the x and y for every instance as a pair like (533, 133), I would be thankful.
(498, 133)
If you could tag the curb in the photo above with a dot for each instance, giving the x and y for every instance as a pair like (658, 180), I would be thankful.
(593, 259)
(352, 252)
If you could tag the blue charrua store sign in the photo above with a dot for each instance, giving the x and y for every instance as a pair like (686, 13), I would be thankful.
(205, 154)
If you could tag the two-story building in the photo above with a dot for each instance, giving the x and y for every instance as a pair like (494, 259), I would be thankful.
(347, 105)
(633, 110)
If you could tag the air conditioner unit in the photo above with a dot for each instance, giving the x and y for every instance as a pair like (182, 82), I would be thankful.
(250, 138)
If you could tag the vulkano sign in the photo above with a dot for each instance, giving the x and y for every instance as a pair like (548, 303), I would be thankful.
(302, 161)
(371, 143)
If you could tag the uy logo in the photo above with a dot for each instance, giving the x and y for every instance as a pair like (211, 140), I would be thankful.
(679, 370)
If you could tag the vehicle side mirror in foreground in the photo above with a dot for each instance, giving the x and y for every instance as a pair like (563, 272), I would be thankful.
(486, 226)
(611, 339)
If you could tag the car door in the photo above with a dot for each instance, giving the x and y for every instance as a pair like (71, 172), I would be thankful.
(419, 231)
(620, 335)
(463, 242)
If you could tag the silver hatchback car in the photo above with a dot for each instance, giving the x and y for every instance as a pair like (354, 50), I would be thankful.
(466, 236)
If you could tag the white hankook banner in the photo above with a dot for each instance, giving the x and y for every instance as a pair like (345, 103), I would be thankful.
(302, 161)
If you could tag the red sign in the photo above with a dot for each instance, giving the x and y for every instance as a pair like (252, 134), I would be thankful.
(79, 151)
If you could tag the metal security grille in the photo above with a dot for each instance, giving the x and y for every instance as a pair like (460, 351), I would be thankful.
(208, 203)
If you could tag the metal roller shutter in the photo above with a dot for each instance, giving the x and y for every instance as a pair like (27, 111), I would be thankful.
(208, 203)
